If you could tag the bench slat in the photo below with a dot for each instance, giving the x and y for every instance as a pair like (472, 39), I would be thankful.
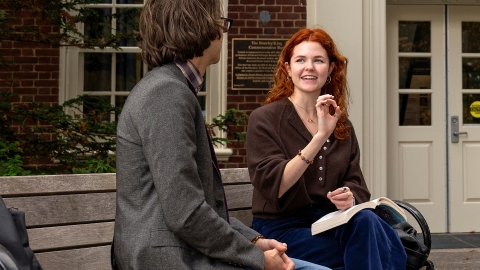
(95, 258)
(73, 236)
(51, 184)
(235, 176)
(239, 196)
(65, 209)
(245, 216)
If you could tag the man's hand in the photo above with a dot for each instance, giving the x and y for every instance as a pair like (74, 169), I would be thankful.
(275, 260)
(274, 252)
(268, 244)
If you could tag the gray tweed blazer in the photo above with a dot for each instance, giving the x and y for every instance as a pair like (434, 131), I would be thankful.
(170, 210)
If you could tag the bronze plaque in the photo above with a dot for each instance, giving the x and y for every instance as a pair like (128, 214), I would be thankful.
(254, 62)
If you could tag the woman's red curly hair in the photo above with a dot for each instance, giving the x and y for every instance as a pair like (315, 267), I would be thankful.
(338, 87)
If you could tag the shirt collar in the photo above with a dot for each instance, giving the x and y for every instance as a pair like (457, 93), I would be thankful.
(191, 73)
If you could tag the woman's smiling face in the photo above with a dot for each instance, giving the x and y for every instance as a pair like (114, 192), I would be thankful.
(309, 67)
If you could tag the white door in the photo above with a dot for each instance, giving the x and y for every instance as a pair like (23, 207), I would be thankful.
(416, 110)
(464, 117)
(433, 91)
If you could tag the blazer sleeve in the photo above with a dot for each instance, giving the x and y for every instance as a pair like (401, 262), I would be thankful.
(169, 140)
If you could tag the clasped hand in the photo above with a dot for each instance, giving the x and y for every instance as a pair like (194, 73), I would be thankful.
(274, 252)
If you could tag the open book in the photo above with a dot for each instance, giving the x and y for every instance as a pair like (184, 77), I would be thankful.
(385, 208)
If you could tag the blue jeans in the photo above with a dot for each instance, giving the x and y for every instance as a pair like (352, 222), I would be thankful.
(303, 265)
(365, 242)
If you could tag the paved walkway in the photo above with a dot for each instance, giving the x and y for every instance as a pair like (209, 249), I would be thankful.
(456, 251)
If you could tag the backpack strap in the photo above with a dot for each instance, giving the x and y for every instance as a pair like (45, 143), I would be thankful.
(427, 237)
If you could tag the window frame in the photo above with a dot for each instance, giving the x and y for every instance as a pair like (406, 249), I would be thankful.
(71, 76)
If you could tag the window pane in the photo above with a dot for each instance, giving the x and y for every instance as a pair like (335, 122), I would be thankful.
(129, 71)
(97, 72)
(414, 73)
(471, 73)
(413, 36)
(471, 37)
(99, 23)
(415, 110)
(471, 108)
(127, 23)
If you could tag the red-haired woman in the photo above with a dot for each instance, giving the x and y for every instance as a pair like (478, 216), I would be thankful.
(304, 162)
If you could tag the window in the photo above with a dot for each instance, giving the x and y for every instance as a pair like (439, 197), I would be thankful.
(111, 74)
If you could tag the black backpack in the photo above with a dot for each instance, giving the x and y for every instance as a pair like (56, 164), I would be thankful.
(14, 241)
(417, 250)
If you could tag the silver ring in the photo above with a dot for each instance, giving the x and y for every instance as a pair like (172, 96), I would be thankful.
(344, 189)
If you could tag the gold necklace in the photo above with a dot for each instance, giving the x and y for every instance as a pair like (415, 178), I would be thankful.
(305, 124)
(306, 110)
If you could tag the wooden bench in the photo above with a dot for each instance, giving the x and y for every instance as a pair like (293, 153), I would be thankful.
(70, 218)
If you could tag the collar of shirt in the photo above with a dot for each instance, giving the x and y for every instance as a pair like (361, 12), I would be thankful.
(191, 73)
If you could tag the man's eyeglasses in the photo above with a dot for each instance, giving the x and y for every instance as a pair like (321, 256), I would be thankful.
(227, 23)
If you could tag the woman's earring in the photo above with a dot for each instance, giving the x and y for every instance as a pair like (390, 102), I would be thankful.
(329, 79)
(287, 79)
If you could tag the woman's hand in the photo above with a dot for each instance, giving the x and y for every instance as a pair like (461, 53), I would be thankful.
(326, 121)
(342, 198)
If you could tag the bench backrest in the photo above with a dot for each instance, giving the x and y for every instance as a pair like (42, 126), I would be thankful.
(70, 218)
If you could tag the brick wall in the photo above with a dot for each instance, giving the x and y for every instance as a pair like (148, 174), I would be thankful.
(286, 18)
(34, 73)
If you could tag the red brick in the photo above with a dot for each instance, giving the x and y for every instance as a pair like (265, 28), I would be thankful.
(44, 75)
(288, 2)
(235, 8)
(251, 9)
(30, 60)
(10, 52)
(6, 44)
(44, 91)
(46, 98)
(300, 9)
(288, 16)
(27, 52)
(287, 23)
(46, 83)
(47, 67)
(48, 52)
(26, 68)
(251, 23)
(25, 75)
(26, 83)
(46, 28)
(25, 91)
(251, 31)
(251, 2)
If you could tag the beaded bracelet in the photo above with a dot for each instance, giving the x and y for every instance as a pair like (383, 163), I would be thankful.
(309, 162)
(254, 241)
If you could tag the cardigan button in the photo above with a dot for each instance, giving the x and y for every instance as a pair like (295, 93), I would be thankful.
(324, 148)
(320, 157)
(320, 178)
(321, 168)
(219, 203)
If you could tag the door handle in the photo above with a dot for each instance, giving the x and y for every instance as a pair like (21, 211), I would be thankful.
(455, 132)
